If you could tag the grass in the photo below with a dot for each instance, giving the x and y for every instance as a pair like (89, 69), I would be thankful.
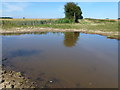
(90, 24)
(10, 23)
(107, 27)
(103, 25)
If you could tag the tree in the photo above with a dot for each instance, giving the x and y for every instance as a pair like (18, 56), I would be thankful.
(73, 11)
(6, 18)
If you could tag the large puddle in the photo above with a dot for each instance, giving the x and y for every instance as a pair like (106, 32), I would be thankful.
(69, 60)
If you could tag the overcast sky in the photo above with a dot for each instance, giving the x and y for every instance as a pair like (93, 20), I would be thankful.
(56, 9)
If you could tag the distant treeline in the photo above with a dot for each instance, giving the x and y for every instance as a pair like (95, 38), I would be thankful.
(6, 18)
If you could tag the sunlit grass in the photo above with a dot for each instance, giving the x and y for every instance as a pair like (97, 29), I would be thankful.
(89, 24)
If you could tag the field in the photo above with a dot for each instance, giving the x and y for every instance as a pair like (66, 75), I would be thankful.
(105, 27)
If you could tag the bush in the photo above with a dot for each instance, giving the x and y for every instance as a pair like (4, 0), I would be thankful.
(64, 20)
(25, 22)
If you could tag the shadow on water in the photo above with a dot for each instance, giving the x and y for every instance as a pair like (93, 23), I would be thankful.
(71, 38)
(22, 53)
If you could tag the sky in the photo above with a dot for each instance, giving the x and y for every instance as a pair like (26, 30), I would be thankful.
(99, 10)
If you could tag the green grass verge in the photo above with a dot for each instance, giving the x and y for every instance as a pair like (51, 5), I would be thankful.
(89, 24)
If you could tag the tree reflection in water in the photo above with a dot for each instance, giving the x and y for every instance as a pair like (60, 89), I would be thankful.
(70, 38)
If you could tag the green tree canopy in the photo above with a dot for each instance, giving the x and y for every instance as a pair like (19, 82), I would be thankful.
(73, 11)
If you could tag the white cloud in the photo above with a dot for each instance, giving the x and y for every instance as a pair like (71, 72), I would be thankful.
(11, 7)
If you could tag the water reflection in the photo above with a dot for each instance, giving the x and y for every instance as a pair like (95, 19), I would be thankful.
(43, 58)
(71, 38)
(23, 53)
(10, 34)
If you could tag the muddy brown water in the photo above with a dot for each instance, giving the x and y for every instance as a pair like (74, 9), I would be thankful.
(69, 60)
